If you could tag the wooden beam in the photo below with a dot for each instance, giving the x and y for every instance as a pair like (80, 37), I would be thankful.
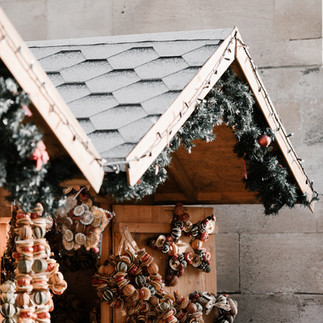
(169, 197)
(150, 146)
(31, 77)
(271, 116)
(182, 179)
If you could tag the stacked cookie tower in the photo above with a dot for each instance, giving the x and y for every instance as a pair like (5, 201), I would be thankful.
(36, 272)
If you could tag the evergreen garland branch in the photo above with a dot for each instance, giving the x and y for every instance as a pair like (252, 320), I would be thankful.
(18, 173)
(232, 102)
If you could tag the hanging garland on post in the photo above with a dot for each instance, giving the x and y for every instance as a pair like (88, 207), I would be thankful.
(25, 170)
(231, 102)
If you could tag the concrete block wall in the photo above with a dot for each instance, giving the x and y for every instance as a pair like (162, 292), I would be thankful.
(273, 265)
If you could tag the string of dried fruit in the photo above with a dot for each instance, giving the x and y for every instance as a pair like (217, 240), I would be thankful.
(81, 223)
(8, 301)
(36, 272)
(199, 233)
(131, 282)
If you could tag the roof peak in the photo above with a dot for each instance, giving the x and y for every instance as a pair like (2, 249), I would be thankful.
(155, 37)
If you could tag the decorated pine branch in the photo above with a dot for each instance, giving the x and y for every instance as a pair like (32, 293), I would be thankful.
(25, 170)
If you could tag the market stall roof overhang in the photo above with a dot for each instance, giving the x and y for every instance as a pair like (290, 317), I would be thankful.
(131, 94)
(51, 111)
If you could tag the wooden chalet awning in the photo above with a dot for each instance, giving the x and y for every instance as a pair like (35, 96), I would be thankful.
(133, 93)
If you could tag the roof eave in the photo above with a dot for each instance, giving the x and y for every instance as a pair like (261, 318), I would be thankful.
(249, 70)
(48, 102)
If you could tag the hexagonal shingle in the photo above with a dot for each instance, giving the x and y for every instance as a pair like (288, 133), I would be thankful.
(177, 81)
(71, 92)
(103, 51)
(161, 67)
(199, 56)
(105, 140)
(86, 125)
(59, 61)
(41, 52)
(85, 71)
(56, 78)
(118, 117)
(177, 48)
(112, 81)
(133, 132)
(139, 92)
(132, 58)
(121, 151)
(160, 103)
(90, 105)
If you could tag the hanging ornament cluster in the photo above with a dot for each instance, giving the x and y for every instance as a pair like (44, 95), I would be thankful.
(131, 283)
(198, 232)
(80, 222)
(8, 301)
(224, 309)
(36, 272)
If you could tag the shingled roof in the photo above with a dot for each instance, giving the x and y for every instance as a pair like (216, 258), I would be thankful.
(131, 94)
(118, 86)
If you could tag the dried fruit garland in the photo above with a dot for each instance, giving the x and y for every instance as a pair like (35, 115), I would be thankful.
(35, 271)
(199, 233)
(131, 282)
(80, 222)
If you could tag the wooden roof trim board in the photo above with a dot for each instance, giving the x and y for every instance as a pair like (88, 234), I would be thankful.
(46, 99)
(250, 72)
(150, 146)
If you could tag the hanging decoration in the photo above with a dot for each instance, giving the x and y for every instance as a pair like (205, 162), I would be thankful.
(130, 282)
(8, 300)
(223, 308)
(36, 273)
(25, 169)
(168, 244)
(80, 222)
(231, 102)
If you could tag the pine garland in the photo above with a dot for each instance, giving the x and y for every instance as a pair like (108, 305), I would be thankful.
(19, 138)
(231, 102)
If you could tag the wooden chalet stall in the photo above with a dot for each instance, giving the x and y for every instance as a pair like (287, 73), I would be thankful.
(131, 95)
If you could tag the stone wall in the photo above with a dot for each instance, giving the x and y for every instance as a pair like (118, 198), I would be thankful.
(273, 265)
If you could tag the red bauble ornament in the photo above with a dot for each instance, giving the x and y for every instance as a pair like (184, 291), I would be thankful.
(264, 141)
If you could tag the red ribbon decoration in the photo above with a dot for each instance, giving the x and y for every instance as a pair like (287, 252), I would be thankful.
(40, 155)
